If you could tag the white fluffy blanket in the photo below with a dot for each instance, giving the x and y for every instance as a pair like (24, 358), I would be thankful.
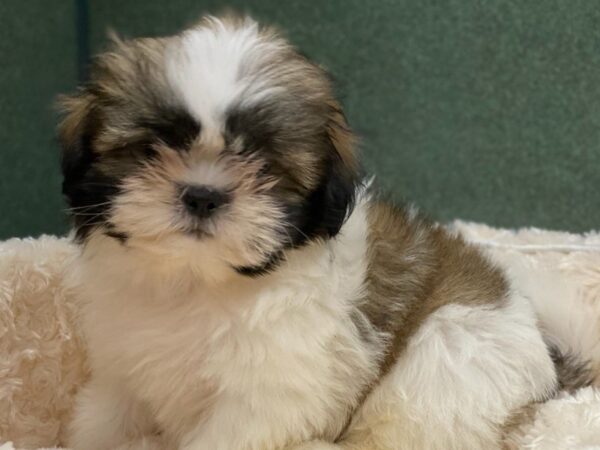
(42, 357)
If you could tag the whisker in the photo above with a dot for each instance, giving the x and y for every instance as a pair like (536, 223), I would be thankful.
(92, 222)
(297, 229)
(75, 208)
(86, 214)
(94, 184)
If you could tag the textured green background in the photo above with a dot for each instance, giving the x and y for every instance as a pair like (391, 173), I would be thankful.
(37, 60)
(483, 110)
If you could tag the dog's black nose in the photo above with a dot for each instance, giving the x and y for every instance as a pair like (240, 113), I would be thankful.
(202, 202)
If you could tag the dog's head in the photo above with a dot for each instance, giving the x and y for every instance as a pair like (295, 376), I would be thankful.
(221, 144)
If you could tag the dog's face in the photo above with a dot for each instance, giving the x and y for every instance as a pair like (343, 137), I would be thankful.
(220, 144)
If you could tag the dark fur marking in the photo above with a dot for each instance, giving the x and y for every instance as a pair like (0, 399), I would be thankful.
(326, 209)
(88, 191)
(121, 237)
(264, 269)
(176, 128)
(115, 234)
(91, 201)
(253, 125)
(414, 269)
(132, 153)
(573, 373)
(271, 129)
(321, 215)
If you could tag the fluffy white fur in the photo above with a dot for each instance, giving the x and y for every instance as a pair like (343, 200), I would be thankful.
(205, 69)
(465, 369)
(567, 422)
(186, 349)
(248, 365)
(559, 273)
(33, 289)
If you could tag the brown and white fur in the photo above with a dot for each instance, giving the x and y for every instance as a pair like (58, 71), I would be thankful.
(298, 311)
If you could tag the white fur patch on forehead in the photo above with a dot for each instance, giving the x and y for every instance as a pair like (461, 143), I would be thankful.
(219, 63)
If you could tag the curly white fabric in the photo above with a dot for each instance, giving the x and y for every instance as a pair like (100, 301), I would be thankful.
(42, 357)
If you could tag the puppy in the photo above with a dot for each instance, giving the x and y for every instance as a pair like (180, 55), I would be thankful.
(245, 290)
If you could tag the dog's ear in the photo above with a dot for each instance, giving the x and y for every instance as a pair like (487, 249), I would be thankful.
(86, 188)
(335, 196)
(76, 133)
(342, 138)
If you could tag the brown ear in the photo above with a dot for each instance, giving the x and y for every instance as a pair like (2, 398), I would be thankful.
(75, 134)
(76, 110)
(342, 138)
(88, 190)
(334, 199)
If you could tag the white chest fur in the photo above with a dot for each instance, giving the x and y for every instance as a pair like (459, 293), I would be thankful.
(275, 350)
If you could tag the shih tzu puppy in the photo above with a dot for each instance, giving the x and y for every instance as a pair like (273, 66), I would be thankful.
(245, 290)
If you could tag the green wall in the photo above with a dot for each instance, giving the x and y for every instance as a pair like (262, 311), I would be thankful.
(483, 110)
(37, 60)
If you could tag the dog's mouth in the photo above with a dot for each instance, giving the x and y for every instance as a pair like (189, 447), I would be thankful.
(200, 231)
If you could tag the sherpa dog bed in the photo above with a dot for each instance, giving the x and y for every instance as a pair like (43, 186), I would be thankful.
(42, 354)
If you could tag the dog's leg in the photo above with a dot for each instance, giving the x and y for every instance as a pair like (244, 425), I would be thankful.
(458, 380)
(106, 418)
(456, 384)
